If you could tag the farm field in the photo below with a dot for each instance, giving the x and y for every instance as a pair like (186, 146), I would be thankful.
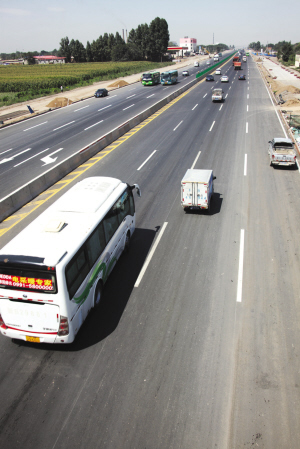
(20, 83)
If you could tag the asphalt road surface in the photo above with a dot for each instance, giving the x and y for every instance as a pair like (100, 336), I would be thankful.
(31, 147)
(202, 351)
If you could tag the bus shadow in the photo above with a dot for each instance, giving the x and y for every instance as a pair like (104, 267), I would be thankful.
(102, 322)
(116, 293)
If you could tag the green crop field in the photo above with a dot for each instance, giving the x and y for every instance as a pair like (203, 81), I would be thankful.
(24, 82)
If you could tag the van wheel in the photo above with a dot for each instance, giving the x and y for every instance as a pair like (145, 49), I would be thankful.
(98, 294)
(127, 242)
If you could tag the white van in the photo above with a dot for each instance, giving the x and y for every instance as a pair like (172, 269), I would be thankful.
(196, 64)
(197, 189)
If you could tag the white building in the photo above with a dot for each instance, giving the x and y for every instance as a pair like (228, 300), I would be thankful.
(190, 43)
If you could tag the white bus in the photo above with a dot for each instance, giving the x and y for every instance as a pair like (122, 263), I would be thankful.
(52, 273)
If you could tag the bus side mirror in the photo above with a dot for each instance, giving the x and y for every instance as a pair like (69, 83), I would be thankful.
(214, 177)
(138, 190)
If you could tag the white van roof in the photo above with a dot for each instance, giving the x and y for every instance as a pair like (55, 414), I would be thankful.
(194, 175)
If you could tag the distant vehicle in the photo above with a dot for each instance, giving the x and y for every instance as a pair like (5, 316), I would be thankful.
(210, 78)
(218, 72)
(220, 55)
(101, 93)
(197, 189)
(185, 73)
(242, 77)
(216, 58)
(217, 95)
(237, 65)
(235, 59)
(208, 62)
(281, 151)
(52, 273)
(196, 64)
(224, 79)
(170, 77)
(245, 58)
(151, 78)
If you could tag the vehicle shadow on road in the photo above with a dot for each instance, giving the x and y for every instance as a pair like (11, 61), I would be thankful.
(104, 320)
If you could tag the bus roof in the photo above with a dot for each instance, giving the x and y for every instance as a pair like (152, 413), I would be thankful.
(67, 221)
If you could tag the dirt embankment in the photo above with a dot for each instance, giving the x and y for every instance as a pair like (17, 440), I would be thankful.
(287, 95)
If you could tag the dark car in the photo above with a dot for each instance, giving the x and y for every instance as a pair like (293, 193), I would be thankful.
(210, 78)
(242, 77)
(101, 93)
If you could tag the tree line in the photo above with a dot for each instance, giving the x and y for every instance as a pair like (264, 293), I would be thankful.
(146, 42)
(285, 51)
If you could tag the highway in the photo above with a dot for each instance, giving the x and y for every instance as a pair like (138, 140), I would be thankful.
(201, 351)
(31, 147)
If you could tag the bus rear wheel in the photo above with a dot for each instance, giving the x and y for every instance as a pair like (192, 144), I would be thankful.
(127, 242)
(98, 294)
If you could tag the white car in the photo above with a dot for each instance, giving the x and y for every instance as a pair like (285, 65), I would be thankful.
(185, 73)
(218, 72)
(196, 64)
(224, 79)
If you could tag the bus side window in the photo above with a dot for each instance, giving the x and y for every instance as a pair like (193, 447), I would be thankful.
(95, 245)
(111, 222)
(76, 271)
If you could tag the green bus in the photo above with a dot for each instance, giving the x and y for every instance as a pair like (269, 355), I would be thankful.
(170, 77)
(151, 78)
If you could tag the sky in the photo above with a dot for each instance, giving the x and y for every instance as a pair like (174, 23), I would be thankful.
(35, 25)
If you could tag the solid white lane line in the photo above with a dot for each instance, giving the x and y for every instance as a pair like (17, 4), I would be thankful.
(247, 128)
(128, 107)
(196, 160)
(177, 125)
(34, 126)
(195, 106)
(245, 165)
(150, 95)
(64, 125)
(150, 255)
(82, 108)
(220, 107)
(105, 107)
(212, 126)
(93, 125)
(31, 157)
(241, 264)
(146, 160)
